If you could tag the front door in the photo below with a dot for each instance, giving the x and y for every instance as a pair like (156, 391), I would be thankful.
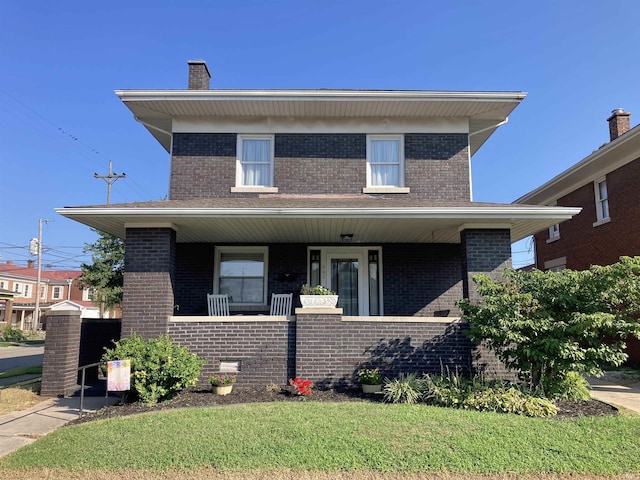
(354, 273)
(344, 281)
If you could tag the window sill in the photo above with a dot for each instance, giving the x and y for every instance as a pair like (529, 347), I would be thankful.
(554, 239)
(386, 190)
(602, 222)
(254, 189)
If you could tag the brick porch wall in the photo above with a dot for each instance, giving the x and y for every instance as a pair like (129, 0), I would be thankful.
(324, 348)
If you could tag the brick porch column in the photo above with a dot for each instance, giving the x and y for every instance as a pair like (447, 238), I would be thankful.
(61, 353)
(149, 272)
(483, 251)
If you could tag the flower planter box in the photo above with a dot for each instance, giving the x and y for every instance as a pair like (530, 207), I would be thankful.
(319, 301)
(222, 389)
(371, 388)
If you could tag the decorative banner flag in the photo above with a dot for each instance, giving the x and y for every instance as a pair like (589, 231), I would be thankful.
(119, 375)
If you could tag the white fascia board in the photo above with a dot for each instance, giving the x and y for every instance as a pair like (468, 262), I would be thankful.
(606, 156)
(318, 95)
(428, 212)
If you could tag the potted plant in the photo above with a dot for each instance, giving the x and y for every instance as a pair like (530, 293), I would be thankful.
(222, 383)
(370, 379)
(317, 297)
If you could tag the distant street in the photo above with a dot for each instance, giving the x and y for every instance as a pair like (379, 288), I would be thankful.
(17, 357)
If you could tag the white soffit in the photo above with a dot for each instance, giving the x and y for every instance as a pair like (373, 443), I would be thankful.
(611, 156)
(156, 109)
(298, 225)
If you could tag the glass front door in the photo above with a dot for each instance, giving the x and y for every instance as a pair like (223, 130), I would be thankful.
(344, 281)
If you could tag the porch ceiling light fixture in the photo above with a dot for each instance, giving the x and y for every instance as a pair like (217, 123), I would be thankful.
(346, 237)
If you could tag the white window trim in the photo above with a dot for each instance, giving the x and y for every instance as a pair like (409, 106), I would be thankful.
(240, 187)
(554, 233)
(43, 292)
(26, 290)
(216, 270)
(17, 288)
(3, 284)
(600, 218)
(86, 294)
(386, 188)
(53, 292)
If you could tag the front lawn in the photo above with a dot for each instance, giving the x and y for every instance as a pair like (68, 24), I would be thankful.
(346, 437)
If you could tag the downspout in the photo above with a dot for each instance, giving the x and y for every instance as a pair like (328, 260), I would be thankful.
(469, 148)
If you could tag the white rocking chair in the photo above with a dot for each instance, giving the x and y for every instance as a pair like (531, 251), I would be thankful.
(281, 303)
(218, 304)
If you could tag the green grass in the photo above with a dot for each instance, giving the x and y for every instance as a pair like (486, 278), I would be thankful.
(346, 437)
(33, 370)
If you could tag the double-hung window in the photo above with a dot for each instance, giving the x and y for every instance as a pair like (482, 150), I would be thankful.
(254, 164)
(602, 201)
(385, 163)
(56, 293)
(241, 273)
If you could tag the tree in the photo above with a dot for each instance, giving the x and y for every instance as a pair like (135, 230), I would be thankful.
(546, 325)
(105, 275)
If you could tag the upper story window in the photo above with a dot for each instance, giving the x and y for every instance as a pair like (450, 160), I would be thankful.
(602, 201)
(26, 292)
(554, 232)
(17, 287)
(254, 164)
(87, 294)
(241, 273)
(43, 292)
(56, 293)
(3, 285)
(385, 163)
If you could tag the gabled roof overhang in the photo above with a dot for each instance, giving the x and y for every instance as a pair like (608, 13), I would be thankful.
(611, 156)
(261, 225)
(157, 109)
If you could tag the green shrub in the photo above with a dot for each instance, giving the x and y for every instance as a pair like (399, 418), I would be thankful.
(11, 334)
(159, 368)
(453, 390)
(570, 386)
(510, 400)
(404, 389)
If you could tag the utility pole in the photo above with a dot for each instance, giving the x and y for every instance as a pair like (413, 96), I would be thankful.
(110, 179)
(36, 310)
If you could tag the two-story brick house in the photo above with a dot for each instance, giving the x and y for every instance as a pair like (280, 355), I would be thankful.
(365, 192)
(56, 286)
(605, 186)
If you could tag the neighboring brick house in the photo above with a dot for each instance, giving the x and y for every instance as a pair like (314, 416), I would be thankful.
(55, 286)
(365, 192)
(605, 186)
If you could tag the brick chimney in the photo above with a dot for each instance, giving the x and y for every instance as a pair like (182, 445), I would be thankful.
(29, 263)
(618, 123)
(9, 262)
(199, 75)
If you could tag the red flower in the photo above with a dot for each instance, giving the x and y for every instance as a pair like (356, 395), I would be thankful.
(302, 386)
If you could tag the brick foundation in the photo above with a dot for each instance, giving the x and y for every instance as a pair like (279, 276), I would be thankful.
(61, 353)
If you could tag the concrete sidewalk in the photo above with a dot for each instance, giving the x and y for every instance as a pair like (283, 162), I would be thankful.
(21, 428)
(618, 389)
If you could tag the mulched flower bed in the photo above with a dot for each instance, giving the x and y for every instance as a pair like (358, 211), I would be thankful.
(203, 398)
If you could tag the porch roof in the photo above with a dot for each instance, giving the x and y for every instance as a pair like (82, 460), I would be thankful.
(318, 219)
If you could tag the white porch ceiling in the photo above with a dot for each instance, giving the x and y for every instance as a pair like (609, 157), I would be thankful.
(259, 226)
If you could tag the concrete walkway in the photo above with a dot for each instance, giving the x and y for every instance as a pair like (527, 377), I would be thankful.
(21, 428)
(620, 388)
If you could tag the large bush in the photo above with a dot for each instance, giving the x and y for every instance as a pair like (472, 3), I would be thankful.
(11, 334)
(159, 368)
(546, 325)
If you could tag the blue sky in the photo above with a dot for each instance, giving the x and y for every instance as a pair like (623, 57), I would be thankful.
(60, 121)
